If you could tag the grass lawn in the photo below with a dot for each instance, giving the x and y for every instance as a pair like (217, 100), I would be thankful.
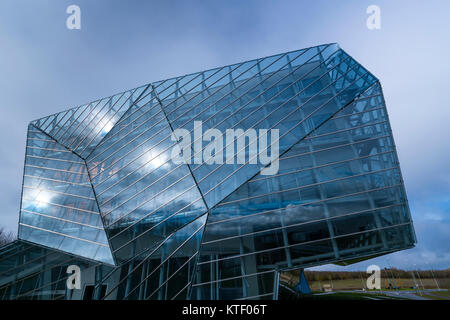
(358, 284)
(287, 295)
(437, 295)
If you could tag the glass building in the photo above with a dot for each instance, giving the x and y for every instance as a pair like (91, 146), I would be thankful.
(101, 189)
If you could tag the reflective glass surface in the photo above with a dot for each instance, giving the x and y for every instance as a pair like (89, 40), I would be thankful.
(100, 185)
(58, 207)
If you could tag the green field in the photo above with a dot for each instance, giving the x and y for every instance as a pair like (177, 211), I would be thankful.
(339, 282)
(386, 284)
(438, 295)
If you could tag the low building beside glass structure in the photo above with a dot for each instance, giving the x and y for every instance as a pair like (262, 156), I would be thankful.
(101, 191)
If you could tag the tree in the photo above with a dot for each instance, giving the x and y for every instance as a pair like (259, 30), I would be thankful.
(6, 236)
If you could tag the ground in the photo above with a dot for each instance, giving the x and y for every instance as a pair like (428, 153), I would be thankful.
(355, 289)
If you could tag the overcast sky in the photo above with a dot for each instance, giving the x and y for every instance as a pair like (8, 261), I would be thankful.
(46, 68)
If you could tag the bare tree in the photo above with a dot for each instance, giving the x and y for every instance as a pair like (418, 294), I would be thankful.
(6, 236)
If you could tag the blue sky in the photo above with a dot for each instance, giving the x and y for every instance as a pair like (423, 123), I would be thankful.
(46, 68)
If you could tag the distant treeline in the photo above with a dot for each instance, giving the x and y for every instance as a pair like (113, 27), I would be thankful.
(397, 273)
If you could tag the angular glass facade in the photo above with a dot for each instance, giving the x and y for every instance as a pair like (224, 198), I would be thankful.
(101, 187)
